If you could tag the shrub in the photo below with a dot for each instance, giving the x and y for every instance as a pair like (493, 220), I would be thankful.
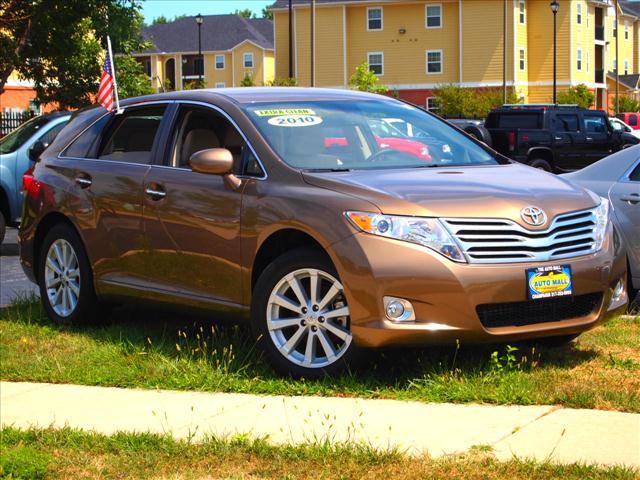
(247, 81)
(282, 82)
(457, 102)
(194, 85)
(627, 104)
(365, 80)
(579, 95)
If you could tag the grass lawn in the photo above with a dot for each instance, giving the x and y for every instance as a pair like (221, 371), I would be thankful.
(38, 454)
(148, 349)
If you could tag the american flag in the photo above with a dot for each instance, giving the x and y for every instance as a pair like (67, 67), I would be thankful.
(105, 92)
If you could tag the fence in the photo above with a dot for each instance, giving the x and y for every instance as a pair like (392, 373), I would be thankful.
(9, 121)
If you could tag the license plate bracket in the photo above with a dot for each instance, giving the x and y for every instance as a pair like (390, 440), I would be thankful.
(549, 281)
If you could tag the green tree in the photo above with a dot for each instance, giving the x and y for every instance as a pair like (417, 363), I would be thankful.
(247, 81)
(161, 19)
(59, 44)
(132, 79)
(266, 13)
(578, 95)
(245, 12)
(628, 104)
(365, 80)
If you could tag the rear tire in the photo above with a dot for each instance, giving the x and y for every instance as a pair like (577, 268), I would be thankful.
(65, 279)
(541, 164)
(308, 337)
(480, 133)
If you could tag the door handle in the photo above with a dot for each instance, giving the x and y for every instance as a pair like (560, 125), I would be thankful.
(84, 180)
(589, 139)
(632, 198)
(557, 138)
(155, 193)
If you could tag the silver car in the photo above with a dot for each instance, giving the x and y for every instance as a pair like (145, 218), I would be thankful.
(617, 177)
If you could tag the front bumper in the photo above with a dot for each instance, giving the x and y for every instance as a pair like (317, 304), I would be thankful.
(445, 294)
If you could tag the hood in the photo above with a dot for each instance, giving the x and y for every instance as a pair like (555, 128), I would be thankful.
(499, 191)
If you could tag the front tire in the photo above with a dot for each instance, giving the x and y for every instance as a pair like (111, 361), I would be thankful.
(65, 278)
(541, 164)
(300, 316)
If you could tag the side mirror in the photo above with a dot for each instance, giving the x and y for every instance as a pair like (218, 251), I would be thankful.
(36, 150)
(214, 161)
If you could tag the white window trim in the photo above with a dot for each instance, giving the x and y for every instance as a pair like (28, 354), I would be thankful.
(220, 85)
(426, 104)
(522, 57)
(381, 19)
(626, 30)
(626, 67)
(426, 58)
(426, 18)
(522, 9)
(244, 60)
(579, 59)
(382, 64)
(579, 13)
(215, 62)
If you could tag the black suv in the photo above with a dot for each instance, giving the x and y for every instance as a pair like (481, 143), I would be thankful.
(556, 138)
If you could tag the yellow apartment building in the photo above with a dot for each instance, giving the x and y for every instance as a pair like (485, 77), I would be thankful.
(415, 46)
(232, 47)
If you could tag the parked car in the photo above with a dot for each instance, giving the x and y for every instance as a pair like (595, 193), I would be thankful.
(619, 126)
(555, 138)
(630, 118)
(617, 178)
(229, 200)
(18, 150)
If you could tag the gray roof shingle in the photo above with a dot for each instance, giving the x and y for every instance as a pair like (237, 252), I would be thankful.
(219, 32)
(630, 7)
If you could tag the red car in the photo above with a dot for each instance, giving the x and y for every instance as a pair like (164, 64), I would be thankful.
(630, 118)
(388, 137)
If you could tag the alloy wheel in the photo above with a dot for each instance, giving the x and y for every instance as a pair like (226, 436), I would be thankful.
(308, 318)
(62, 278)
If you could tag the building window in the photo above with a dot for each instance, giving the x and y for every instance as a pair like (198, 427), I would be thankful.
(219, 62)
(432, 104)
(522, 59)
(579, 13)
(626, 30)
(434, 61)
(626, 67)
(248, 60)
(522, 11)
(579, 58)
(374, 18)
(433, 16)
(220, 85)
(376, 62)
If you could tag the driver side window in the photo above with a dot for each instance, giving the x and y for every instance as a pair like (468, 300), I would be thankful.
(201, 128)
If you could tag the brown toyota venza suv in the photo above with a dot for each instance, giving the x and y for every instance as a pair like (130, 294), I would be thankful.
(331, 220)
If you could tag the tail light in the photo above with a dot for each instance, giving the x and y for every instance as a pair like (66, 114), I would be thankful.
(511, 137)
(29, 184)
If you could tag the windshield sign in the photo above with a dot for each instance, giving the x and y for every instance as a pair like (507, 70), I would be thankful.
(363, 134)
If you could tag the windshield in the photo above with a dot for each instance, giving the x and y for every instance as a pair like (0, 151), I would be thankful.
(363, 134)
(20, 135)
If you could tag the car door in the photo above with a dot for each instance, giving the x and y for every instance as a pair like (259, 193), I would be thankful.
(569, 141)
(625, 198)
(598, 136)
(112, 158)
(192, 220)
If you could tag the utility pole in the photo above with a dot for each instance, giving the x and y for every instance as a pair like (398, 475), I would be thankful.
(504, 53)
(617, 63)
(290, 38)
(313, 46)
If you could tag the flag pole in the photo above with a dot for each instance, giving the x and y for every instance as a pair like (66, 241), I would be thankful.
(113, 70)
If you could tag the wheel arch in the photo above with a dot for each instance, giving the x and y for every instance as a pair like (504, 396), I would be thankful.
(543, 153)
(47, 222)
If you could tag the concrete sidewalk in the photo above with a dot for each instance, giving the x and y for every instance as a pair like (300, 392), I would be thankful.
(538, 432)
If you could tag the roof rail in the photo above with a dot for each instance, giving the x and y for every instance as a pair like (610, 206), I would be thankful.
(554, 105)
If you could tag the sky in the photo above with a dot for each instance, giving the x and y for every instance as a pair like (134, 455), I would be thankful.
(171, 8)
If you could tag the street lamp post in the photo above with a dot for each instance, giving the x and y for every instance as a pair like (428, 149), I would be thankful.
(554, 8)
(199, 21)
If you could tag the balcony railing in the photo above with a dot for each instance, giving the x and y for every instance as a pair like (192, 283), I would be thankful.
(599, 76)
(600, 32)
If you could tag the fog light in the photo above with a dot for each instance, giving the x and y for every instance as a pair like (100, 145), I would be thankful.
(398, 309)
(618, 292)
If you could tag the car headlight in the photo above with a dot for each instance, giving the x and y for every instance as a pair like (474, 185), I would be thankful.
(428, 232)
(602, 222)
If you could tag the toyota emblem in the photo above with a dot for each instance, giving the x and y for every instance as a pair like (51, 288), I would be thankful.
(533, 216)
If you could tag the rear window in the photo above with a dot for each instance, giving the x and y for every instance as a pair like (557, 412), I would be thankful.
(514, 120)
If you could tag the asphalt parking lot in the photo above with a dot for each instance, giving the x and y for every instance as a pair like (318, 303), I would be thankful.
(13, 282)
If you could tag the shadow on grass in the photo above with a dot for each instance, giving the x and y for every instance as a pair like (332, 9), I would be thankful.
(227, 346)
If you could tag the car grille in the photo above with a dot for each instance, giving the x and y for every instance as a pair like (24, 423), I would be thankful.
(486, 240)
(556, 309)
